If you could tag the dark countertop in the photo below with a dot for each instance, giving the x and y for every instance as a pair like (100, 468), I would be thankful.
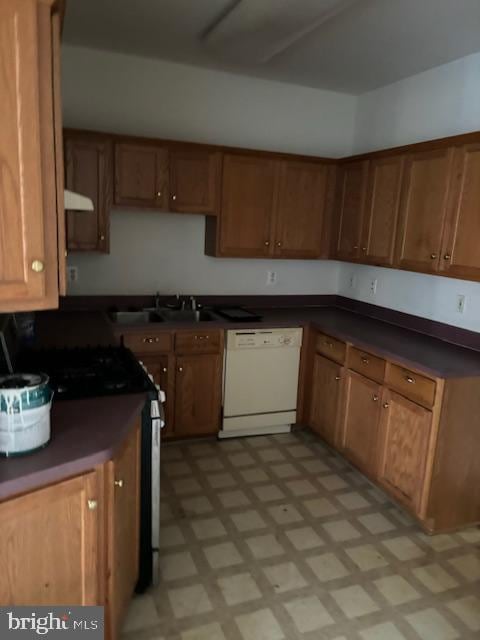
(413, 349)
(85, 433)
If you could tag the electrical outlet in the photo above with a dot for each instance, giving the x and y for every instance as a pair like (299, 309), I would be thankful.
(72, 273)
(352, 281)
(373, 286)
(271, 277)
(461, 303)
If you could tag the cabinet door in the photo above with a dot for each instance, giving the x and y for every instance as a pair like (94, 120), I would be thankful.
(88, 169)
(300, 211)
(350, 203)
(249, 184)
(381, 210)
(194, 181)
(198, 394)
(141, 176)
(325, 396)
(123, 477)
(461, 248)
(405, 438)
(162, 368)
(423, 208)
(360, 422)
(28, 200)
(49, 545)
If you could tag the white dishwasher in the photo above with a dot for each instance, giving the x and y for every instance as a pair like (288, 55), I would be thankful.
(261, 381)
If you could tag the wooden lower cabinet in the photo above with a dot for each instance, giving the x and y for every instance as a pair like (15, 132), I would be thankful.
(198, 394)
(123, 487)
(405, 439)
(326, 392)
(162, 368)
(49, 545)
(188, 367)
(76, 542)
(360, 420)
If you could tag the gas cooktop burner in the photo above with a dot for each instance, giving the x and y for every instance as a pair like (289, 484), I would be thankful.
(87, 372)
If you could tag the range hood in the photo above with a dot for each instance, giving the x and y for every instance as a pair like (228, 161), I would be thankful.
(77, 202)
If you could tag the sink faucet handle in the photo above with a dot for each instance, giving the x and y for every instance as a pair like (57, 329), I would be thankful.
(193, 303)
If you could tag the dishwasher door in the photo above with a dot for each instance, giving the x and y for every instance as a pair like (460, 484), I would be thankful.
(261, 381)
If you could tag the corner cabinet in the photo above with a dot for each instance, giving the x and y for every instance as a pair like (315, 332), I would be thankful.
(88, 170)
(349, 209)
(272, 208)
(89, 532)
(31, 210)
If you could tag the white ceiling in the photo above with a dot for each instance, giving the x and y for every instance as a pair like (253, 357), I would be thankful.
(351, 46)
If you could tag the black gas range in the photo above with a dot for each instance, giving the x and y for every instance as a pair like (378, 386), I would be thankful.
(88, 372)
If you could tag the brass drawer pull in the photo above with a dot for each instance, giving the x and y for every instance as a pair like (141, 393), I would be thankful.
(92, 504)
(202, 337)
(38, 266)
(328, 343)
(164, 369)
(410, 379)
(447, 256)
(385, 405)
(375, 397)
(433, 256)
(150, 340)
(118, 483)
(180, 369)
(338, 378)
(365, 360)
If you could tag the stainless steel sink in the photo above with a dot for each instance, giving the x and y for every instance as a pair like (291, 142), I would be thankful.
(135, 317)
(185, 315)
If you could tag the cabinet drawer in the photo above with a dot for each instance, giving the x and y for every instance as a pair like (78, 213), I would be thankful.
(411, 384)
(198, 341)
(330, 347)
(146, 342)
(366, 364)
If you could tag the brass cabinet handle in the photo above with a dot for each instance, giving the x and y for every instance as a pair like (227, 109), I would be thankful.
(364, 249)
(447, 256)
(365, 360)
(279, 244)
(159, 194)
(150, 340)
(164, 369)
(338, 378)
(267, 243)
(102, 237)
(180, 369)
(375, 397)
(118, 483)
(92, 504)
(174, 197)
(38, 266)
(355, 246)
(433, 256)
(410, 379)
(385, 405)
(328, 343)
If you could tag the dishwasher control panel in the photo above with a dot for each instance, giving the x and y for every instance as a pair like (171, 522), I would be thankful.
(264, 338)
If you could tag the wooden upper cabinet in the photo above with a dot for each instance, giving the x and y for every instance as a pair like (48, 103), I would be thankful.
(65, 571)
(405, 441)
(195, 181)
(423, 209)
(349, 208)
(141, 176)
(28, 193)
(301, 209)
(381, 210)
(248, 193)
(360, 422)
(461, 247)
(88, 169)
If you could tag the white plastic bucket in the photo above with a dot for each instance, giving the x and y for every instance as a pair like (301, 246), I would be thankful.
(25, 402)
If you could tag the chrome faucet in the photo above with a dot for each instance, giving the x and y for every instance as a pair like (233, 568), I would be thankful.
(157, 301)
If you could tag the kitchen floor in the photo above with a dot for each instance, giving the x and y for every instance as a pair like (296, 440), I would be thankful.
(277, 537)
